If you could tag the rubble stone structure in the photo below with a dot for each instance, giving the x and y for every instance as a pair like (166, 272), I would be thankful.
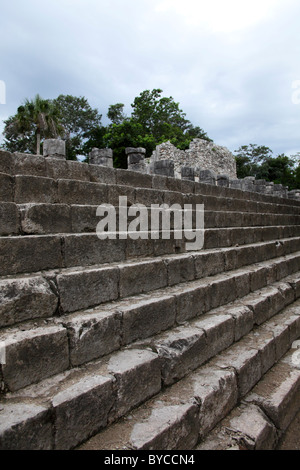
(200, 154)
(138, 343)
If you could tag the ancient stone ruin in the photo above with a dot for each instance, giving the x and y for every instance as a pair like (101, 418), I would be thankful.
(124, 343)
(201, 154)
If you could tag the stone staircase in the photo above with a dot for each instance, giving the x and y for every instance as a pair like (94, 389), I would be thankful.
(140, 344)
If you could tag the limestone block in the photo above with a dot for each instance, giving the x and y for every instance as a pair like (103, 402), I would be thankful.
(219, 330)
(93, 335)
(181, 351)
(103, 157)
(77, 171)
(142, 277)
(146, 317)
(6, 188)
(138, 378)
(35, 189)
(45, 218)
(33, 355)
(31, 165)
(7, 162)
(25, 426)
(168, 427)
(9, 221)
(164, 167)
(101, 174)
(90, 287)
(216, 391)
(24, 299)
(81, 409)
(17, 254)
(54, 148)
(245, 361)
(132, 178)
(81, 192)
(86, 250)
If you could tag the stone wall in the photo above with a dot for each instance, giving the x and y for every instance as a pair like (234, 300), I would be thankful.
(200, 154)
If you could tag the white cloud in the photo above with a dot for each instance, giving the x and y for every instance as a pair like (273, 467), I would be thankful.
(220, 15)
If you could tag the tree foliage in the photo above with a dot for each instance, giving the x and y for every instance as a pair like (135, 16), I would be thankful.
(35, 119)
(257, 161)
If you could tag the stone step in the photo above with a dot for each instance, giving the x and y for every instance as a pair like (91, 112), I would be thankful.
(90, 334)
(39, 166)
(51, 293)
(62, 218)
(184, 413)
(57, 251)
(265, 413)
(23, 189)
(29, 297)
(72, 406)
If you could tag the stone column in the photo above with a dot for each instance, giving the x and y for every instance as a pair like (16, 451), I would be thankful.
(223, 180)
(164, 168)
(136, 159)
(187, 173)
(207, 177)
(55, 148)
(103, 157)
(248, 183)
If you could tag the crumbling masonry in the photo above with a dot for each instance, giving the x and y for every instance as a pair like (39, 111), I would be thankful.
(139, 344)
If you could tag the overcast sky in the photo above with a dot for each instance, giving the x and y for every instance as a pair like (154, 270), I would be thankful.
(233, 65)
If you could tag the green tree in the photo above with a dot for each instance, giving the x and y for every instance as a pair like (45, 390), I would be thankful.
(116, 113)
(127, 134)
(79, 120)
(34, 119)
(257, 161)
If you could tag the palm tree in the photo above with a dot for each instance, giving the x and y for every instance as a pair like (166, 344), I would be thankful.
(41, 114)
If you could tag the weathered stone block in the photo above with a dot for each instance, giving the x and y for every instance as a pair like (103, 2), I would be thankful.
(54, 148)
(219, 331)
(180, 269)
(133, 178)
(25, 299)
(81, 409)
(88, 249)
(138, 378)
(30, 254)
(88, 288)
(31, 165)
(56, 168)
(25, 426)
(34, 355)
(6, 188)
(35, 189)
(245, 361)
(45, 218)
(7, 162)
(147, 317)
(9, 219)
(168, 427)
(81, 192)
(181, 351)
(216, 390)
(77, 171)
(192, 301)
(137, 278)
(101, 174)
(93, 335)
